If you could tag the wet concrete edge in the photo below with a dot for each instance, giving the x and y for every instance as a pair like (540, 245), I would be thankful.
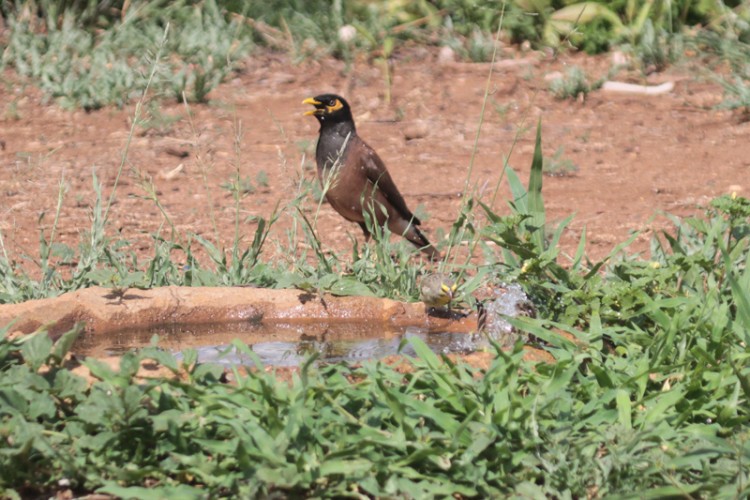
(102, 313)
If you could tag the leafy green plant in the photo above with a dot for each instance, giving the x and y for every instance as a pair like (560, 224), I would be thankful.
(242, 186)
(559, 166)
(736, 95)
(477, 46)
(80, 68)
(652, 415)
(87, 12)
(88, 54)
(648, 394)
(261, 178)
(10, 112)
(593, 26)
(734, 54)
(157, 122)
(572, 85)
(656, 48)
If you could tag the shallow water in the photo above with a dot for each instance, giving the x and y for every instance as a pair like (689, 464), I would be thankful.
(281, 344)
(331, 351)
(288, 344)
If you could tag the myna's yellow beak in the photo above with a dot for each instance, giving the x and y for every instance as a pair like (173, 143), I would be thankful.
(312, 101)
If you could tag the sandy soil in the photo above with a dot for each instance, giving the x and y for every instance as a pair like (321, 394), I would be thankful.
(636, 156)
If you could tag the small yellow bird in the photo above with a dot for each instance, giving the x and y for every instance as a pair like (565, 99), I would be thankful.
(437, 290)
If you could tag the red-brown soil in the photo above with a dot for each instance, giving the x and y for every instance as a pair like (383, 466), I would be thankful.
(636, 155)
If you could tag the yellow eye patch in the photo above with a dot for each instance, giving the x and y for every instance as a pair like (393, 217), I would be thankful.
(337, 105)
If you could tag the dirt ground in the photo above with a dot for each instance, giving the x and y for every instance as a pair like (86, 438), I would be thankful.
(636, 156)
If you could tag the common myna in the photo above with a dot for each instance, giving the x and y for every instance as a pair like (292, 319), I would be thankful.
(356, 178)
(437, 290)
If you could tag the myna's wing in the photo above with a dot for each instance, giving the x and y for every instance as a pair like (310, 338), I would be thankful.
(378, 175)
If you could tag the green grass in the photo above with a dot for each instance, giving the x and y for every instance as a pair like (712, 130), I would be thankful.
(650, 400)
(574, 84)
(81, 67)
(85, 54)
(558, 165)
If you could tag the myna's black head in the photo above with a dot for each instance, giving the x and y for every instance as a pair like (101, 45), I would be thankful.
(329, 108)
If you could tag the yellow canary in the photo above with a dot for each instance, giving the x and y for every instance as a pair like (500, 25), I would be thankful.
(437, 290)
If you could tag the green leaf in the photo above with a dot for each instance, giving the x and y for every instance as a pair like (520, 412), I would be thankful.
(12, 401)
(153, 493)
(424, 352)
(36, 349)
(624, 408)
(536, 202)
(520, 203)
(740, 292)
(100, 370)
(346, 467)
(537, 328)
(164, 358)
(65, 342)
(347, 285)
(656, 410)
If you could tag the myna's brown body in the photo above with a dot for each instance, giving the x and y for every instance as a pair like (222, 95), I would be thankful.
(356, 178)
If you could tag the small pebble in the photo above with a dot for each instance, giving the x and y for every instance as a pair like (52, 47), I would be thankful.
(172, 174)
(446, 55)
(416, 130)
(347, 33)
(620, 59)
